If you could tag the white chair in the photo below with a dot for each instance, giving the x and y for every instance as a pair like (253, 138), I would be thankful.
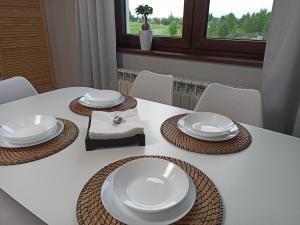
(154, 87)
(242, 105)
(15, 88)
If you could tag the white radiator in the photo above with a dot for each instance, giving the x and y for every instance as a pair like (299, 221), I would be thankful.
(185, 95)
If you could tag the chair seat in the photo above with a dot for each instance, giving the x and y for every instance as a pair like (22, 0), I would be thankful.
(153, 87)
(242, 105)
(15, 88)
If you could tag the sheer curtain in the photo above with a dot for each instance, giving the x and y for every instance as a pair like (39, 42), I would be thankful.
(62, 29)
(96, 43)
(281, 72)
(83, 43)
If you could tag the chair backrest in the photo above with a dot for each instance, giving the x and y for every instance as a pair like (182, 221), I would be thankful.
(15, 88)
(242, 105)
(154, 87)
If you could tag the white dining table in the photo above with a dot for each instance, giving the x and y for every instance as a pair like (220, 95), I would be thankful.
(259, 185)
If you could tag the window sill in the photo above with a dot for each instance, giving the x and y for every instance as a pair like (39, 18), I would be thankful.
(194, 57)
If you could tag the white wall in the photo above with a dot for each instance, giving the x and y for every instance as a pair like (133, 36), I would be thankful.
(223, 73)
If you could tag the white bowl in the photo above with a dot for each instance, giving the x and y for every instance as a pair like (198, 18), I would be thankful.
(89, 104)
(28, 129)
(53, 134)
(206, 124)
(101, 97)
(233, 132)
(150, 185)
(127, 216)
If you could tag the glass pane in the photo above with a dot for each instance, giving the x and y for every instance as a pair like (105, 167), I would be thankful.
(166, 19)
(239, 19)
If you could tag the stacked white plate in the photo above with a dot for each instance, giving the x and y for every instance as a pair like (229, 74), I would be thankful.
(102, 99)
(29, 130)
(149, 192)
(208, 126)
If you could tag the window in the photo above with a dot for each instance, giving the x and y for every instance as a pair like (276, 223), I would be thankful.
(167, 21)
(219, 29)
(242, 19)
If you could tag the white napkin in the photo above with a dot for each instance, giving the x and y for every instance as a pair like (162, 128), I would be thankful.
(102, 126)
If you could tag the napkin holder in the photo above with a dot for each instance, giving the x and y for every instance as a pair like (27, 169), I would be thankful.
(94, 144)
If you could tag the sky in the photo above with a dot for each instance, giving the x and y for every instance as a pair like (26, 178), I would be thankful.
(163, 8)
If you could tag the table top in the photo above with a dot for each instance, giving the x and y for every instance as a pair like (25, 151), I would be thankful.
(259, 185)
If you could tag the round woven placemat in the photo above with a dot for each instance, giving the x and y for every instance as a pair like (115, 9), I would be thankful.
(13, 156)
(172, 134)
(207, 209)
(76, 107)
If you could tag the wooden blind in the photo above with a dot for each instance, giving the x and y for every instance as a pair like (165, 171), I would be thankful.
(24, 45)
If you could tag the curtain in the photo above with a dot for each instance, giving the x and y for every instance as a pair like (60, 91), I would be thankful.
(281, 71)
(296, 131)
(96, 43)
(62, 29)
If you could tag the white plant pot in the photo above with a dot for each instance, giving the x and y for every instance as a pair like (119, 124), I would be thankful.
(146, 39)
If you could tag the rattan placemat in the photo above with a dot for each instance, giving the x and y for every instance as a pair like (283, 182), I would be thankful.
(76, 107)
(207, 209)
(13, 156)
(172, 134)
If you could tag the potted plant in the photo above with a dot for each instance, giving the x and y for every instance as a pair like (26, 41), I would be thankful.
(145, 33)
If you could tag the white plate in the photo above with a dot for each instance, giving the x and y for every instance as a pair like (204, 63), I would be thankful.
(206, 124)
(89, 104)
(127, 216)
(23, 142)
(150, 185)
(28, 129)
(102, 97)
(229, 135)
(59, 128)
